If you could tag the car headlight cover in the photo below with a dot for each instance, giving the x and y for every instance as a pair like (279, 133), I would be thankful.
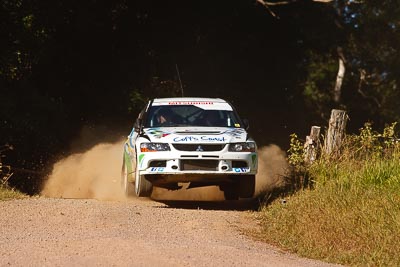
(154, 147)
(243, 147)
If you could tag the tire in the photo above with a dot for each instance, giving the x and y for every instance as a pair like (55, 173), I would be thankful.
(127, 187)
(143, 187)
(247, 184)
(231, 191)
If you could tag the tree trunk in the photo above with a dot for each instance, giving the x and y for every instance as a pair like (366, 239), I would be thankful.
(336, 132)
(337, 91)
(312, 145)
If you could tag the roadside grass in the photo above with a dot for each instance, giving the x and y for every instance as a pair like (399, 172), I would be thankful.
(7, 192)
(351, 212)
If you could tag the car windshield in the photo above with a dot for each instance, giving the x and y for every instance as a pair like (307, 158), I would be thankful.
(190, 115)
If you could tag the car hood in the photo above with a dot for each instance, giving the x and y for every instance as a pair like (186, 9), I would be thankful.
(210, 135)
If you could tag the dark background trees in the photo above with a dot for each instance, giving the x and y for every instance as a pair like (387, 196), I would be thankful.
(72, 65)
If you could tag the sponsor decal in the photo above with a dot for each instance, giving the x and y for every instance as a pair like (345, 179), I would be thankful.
(213, 138)
(235, 132)
(201, 138)
(141, 157)
(190, 103)
(254, 160)
(206, 105)
(157, 133)
(239, 170)
(131, 141)
(157, 169)
(129, 150)
(185, 139)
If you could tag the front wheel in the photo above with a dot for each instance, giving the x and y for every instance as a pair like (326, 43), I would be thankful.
(241, 186)
(247, 184)
(231, 191)
(143, 187)
(231, 195)
(127, 186)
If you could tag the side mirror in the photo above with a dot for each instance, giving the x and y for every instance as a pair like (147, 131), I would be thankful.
(245, 123)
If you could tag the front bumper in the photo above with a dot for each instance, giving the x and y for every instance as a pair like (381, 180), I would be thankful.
(197, 163)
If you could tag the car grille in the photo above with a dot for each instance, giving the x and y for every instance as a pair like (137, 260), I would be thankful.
(198, 147)
(239, 164)
(158, 163)
(200, 165)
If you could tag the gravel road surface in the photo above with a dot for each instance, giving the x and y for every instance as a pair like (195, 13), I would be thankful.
(136, 232)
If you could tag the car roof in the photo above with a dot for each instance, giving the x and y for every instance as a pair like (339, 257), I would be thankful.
(188, 99)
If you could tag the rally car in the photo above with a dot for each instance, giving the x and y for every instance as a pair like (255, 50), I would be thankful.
(201, 141)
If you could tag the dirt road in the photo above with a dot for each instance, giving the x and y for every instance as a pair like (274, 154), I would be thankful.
(60, 232)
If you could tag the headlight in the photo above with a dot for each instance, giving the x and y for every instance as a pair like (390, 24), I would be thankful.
(242, 147)
(153, 147)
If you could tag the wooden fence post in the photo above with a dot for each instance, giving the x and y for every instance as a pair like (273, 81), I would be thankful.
(311, 145)
(336, 132)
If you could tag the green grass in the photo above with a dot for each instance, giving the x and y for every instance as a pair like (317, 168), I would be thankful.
(9, 193)
(350, 216)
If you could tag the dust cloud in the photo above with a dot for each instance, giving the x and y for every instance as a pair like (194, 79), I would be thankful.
(272, 168)
(96, 174)
(91, 174)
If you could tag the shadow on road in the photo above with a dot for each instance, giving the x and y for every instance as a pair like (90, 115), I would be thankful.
(239, 205)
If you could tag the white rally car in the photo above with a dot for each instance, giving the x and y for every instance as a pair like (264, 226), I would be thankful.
(201, 141)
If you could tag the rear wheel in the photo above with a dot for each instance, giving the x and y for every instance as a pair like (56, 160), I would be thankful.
(127, 186)
(143, 187)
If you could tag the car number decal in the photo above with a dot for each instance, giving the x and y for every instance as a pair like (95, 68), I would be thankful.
(157, 169)
(241, 169)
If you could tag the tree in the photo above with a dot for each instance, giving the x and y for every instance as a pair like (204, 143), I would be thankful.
(358, 69)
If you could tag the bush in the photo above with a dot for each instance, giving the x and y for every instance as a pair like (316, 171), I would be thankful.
(351, 215)
(7, 192)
